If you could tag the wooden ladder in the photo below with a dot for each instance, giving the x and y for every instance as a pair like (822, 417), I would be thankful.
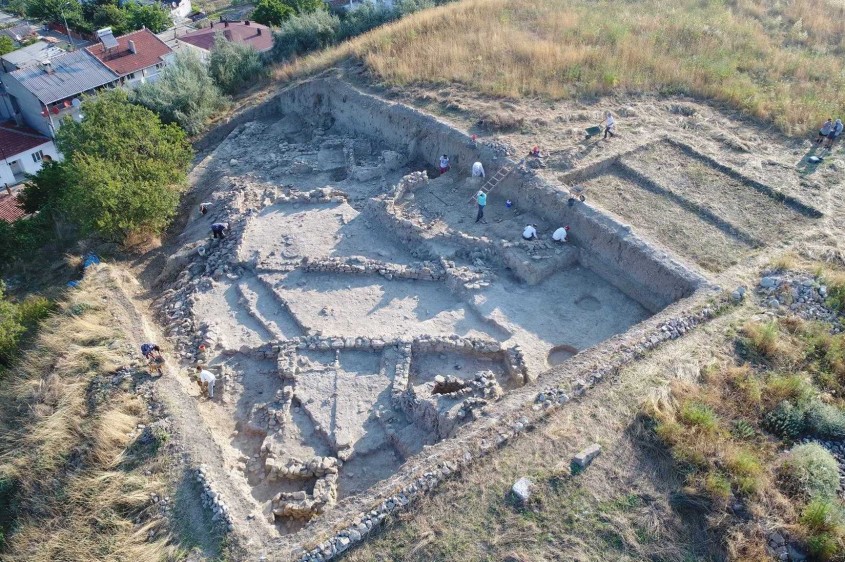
(500, 175)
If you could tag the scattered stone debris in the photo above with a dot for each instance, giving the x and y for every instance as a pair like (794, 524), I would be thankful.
(799, 293)
(583, 459)
(522, 490)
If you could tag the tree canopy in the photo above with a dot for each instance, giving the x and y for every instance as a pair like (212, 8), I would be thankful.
(272, 12)
(184, 93)
(234, 65)
(123, 170)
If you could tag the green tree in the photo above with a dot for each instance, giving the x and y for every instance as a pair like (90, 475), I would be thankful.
(306, 6)
(111, 16)
(124, 168)
(234, 65)
(272, 12)
(153, 17)
(6, 45)
(55, 11)
(17, 7)
(184, 93)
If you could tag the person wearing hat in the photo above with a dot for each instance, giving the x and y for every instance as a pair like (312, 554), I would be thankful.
(481, 199)
(560, 234)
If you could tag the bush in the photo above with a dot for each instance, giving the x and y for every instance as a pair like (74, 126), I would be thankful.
(810, 471)
(785, 421)
(272, 12)
(304, 33)
(16, 319)
(795, 388)
(835, 291)
(184, 93)
(695, 414)
(234, 65)
(825, 421)
(363, 19)
(822, 521)
(762, 338)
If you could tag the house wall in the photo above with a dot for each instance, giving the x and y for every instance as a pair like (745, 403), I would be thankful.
(202, 53)
(30, 106)
(27, 164)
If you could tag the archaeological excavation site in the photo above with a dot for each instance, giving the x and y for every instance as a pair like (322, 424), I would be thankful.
(370, 337)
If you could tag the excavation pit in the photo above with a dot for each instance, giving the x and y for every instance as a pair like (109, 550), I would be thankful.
(363, 313)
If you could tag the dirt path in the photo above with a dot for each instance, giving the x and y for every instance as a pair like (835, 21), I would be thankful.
(193, 438)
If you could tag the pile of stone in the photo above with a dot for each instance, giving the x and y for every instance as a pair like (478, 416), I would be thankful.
(802, 294)
(302, 505)
(440, 344)
(425, 271)
(408, 184)
(483, 385)
(292, 468)
(781, 548)
(322, 195)
(212, 500)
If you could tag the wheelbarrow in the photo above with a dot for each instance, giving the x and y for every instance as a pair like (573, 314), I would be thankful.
(592, 131)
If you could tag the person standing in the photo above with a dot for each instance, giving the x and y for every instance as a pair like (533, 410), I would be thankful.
(478, 170)
(481, 199)
(444, 164)
(609, 124)
(825, 129)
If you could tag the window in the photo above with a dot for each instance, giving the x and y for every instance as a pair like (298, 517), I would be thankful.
(38, 156)
(130, 76)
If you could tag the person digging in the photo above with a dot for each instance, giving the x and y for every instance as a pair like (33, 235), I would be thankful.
(205, 380)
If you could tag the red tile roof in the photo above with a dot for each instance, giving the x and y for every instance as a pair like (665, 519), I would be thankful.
(9, 210)
(149, 51)
(16, 139)
(251, 33)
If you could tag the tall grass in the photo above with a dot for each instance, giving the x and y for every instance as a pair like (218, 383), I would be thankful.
(64, 491)
(777, 61)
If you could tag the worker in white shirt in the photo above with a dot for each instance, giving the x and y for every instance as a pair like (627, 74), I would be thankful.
(530, 232)
(478, 170)
(444, 164)
(560, 234)
(609, 124)
(206, 379)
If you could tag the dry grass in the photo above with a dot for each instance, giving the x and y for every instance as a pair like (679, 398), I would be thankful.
(61, 450)
(777, 61)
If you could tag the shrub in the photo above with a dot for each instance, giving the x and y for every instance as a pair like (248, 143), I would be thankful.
(835, 291)
(717, 486)
(746, 470)
(234, 65)
(699, 415)
(822, 521)
(762, 338)
(743, 430)
(795, 388)
(786, 421)
(363, 19)
(303, 33)
(810, 471)
(184, 93)
(825, 420)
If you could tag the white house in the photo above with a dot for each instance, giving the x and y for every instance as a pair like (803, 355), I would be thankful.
(22, 151)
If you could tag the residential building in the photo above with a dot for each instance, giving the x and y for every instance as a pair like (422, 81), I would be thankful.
(42, 95)
(22, 151)
(179, 9)
(136, 57)
(9, 209)
(247, 32)
(41, 50)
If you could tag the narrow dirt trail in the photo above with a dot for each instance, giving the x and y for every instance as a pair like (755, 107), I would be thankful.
(194, 440)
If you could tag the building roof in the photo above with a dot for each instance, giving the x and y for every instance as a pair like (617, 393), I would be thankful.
(9, 210)
(71, 74)
(149, 51)
(249, 32)
(32, 54)
(16, 139)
